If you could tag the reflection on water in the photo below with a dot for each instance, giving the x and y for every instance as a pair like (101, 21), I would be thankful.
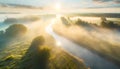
(58, 43)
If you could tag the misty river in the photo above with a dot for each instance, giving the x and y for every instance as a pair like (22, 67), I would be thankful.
(91, 59)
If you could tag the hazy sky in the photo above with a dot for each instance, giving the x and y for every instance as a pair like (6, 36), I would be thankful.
(68, 3)
(101, 6)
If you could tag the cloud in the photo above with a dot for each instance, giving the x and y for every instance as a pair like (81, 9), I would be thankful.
(107, 1)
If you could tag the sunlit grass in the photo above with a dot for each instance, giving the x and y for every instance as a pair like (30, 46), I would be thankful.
(15, 52)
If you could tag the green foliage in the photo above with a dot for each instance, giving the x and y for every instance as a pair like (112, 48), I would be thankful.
(16, 30)
(9, 62)
(38, 41)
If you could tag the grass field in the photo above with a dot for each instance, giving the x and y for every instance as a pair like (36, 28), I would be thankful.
(19, 53)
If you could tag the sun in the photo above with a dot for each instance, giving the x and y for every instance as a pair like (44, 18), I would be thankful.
(57, 6)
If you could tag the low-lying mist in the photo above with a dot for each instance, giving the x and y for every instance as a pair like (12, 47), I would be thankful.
(102, 38)
(21, 19)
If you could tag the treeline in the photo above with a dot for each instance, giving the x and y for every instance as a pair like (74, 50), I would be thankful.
(21, 20)
(104, 23)
(110, 15)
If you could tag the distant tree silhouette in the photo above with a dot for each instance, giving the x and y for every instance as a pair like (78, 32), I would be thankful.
(109, 24)
(10, 20)
(82, 23)
(103, 19)
(21, 20)
(79, 21)
(65, 20)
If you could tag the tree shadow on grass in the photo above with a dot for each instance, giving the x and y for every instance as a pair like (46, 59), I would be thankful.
(37, 56)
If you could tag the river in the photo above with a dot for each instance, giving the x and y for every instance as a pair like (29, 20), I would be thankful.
(91, 59)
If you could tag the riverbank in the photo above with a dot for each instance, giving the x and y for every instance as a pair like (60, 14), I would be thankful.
(89, 40)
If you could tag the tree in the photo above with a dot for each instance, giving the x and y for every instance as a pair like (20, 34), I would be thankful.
(38, 41)
(15, 30)
(103, 19)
